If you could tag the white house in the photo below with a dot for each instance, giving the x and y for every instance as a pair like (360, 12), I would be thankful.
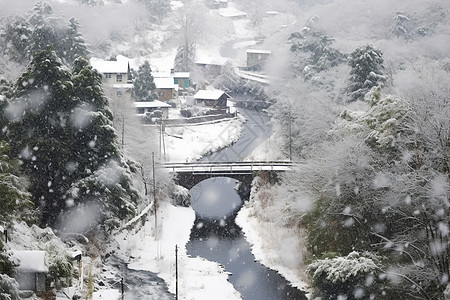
(113, 71)
(116, 76)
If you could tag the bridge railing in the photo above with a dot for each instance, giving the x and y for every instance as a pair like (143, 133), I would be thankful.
(249, 166)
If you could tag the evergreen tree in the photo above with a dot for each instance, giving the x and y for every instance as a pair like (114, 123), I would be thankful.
(62, 130)
(14, 199)
(367, 65)
(143, 84)
(95, 151)
(16, 39)
(39, 113)
(24, 37)
(72, 43)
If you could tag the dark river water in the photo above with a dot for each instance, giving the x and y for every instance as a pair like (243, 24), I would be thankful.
(215, 235)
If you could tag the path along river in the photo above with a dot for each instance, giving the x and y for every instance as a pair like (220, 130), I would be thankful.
(215, 235)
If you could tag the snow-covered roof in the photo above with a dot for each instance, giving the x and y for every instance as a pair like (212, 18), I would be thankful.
(161, 74)
(106, 66)
(151, 104)
(232, 12)
(164, 82)
(181, 74)
(259, 51)
(31, 261)
(219, 61)
(123, 86)
(209, 94)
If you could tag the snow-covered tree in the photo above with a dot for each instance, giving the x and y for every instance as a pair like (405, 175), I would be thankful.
(17, 37)
(189, 24)
(354, 276)
(14, 198)
(24, 36)
(313, 52)
(62, 130)
(143, 83)
(158, 8)
(73, 44)
(367, 71)
(9, 288)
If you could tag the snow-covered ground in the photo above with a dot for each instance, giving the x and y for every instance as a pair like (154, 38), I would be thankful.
(278, 248)
(190, 142)
(197, 277)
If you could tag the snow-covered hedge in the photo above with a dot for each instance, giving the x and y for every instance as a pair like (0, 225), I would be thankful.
(353, 276)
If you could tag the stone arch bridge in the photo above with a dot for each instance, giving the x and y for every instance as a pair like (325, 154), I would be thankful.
(190, 174)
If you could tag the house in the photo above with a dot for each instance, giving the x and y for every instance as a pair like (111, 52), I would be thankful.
(116, 75)
(257, 58)
(181, 79)
(113, 71)
(212, 98)
(150, 106)
(32, 270)
(166, 89)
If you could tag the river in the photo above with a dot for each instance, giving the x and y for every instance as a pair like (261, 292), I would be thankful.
(215, 235)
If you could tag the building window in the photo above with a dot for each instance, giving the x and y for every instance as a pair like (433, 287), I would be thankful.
(119, 77)
(108, 75)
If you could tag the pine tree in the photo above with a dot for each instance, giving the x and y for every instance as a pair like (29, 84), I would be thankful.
(14, 199)
(24, 37)
(367, 65)
(95, 151)
(62, 130)
(39, 113)
(72, 42)
(17, 37)
(143, 84)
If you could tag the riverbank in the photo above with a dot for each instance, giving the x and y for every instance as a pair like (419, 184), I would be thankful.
(275, 243)
(197, 277)
(277, 247)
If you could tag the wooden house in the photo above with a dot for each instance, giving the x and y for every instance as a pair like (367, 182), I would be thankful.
(32, 270)
(212, 98)
(166, 89)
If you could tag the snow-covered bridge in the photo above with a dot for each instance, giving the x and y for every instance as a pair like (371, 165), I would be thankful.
(190, 174)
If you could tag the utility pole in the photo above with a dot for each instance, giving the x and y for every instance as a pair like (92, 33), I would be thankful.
(290, 135)
(160, 141)
(176, 272)
(163, 131)
(121, 286)
(123, 131)
(155, 206)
